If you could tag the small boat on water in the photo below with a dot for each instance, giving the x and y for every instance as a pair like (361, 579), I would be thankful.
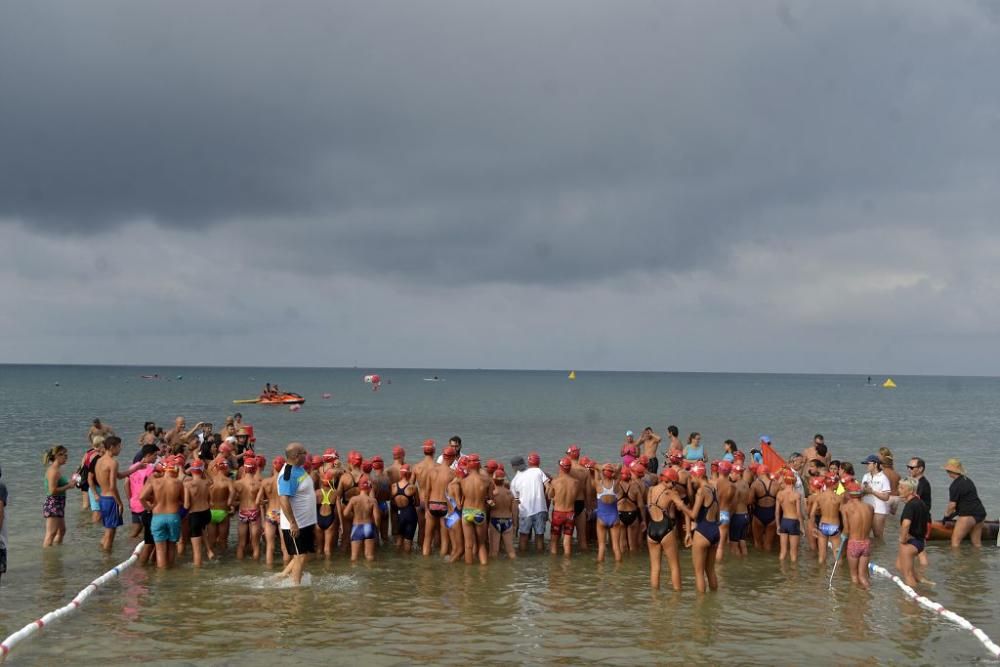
(287, 398)
(433, 379)
(941, 530)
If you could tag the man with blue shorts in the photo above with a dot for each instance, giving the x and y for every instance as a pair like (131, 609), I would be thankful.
(163, 496)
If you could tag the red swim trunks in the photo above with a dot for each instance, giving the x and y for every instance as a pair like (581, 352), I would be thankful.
(858, 548)
(562, 521)
(250, 515)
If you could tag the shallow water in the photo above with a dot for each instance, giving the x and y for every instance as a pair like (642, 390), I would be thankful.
(539, 608)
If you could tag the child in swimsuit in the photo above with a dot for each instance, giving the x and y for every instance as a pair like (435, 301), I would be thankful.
(364, 514)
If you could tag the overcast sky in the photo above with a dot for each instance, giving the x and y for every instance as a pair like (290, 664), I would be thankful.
(719, 186)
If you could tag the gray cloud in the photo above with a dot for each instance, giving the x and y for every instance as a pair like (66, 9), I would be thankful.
(817, 178)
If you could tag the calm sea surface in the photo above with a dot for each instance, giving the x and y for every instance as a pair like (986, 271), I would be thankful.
(401, 610)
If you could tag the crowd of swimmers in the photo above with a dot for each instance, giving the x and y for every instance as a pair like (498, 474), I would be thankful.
(186, 488)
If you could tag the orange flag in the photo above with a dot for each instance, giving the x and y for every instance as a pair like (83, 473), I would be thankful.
(772, 460)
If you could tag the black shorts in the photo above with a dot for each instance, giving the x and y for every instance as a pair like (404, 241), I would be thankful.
(305, 543)
(3, 560)
(197, 522)
(147, 528)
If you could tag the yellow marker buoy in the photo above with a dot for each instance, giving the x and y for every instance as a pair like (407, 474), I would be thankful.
(889, 384)
(572, 375)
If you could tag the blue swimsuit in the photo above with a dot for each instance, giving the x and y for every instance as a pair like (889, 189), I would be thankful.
(708, 529)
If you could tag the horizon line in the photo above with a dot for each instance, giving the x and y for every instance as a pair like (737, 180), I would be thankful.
(470, 368)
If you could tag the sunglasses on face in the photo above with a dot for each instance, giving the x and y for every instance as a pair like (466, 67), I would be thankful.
(913, 467)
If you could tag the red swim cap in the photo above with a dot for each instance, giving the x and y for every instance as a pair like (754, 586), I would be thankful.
(221, 464)
(644, 460)
(491, 466)
(725, 467)
(366, 467)
(669, 475)
(740, 456)
(159, 467)
(816, 483)
(316, 461)
(364, 483)
(608, 471)
(626, 474)
(499, 474)
(224, 448)
(330, 454)
(738, 468)
(676, 457)
(404, 470)
(449, 452)
(428, 446)
(854, 488)
(534, 459)
(278, 463)
(574, 451)
(354, 458)
(715, 466)
(637, 468)
(565, 463)
(378, 463)
(698, 470)
(473, 462)
(763, 470)
(398, 452)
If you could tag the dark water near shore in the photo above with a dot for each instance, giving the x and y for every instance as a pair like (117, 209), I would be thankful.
(537, 609)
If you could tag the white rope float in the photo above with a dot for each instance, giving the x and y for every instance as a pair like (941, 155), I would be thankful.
(31, 628)
(935, 607)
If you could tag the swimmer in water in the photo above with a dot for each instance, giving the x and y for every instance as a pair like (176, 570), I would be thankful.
(739, 518)
(199, 514)
(477, 496)
(763, 492)
(562, 492)
(703, 533)
(405, 500)
(221, 498)
(661, 533)
(347, 488)
(438, 477)
(607, 491)
(726, 495)
(363, 513)
(857, 518)
(789, 518)
(247, 489)
(630, 511)
(398, 459)
(503, 517)
(267, 498)
(825, 505)
(326, 514)
(163, 496)
(582, 477)
(421, 476)
(453, 520)
(382, 492)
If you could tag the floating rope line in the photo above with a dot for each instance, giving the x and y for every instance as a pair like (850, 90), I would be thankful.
(31, 628)
(935, 607)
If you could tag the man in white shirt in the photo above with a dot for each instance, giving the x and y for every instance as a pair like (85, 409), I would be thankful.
(455, 442)
(297, 501)
(876, 488)
(528, 486)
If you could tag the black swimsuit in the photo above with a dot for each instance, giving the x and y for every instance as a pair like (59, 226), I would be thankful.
(407, 514)
(657, 530)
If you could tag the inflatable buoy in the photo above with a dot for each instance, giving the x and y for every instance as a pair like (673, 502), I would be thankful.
(889, 384)
(327, 395)
(294, 408)
(572, 375)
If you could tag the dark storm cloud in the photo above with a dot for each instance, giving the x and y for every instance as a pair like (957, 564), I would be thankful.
(469, 142)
